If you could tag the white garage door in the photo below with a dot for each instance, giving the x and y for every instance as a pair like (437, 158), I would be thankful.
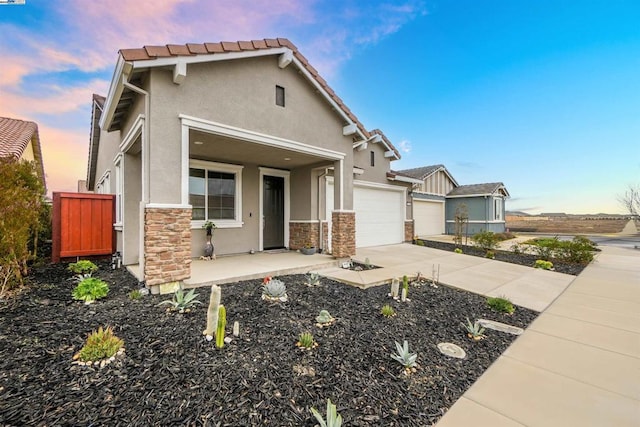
(428, 217)
(379, 214)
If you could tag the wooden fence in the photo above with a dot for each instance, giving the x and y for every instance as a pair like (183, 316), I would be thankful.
(82, 225)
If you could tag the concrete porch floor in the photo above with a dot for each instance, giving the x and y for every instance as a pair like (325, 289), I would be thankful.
(235, 268)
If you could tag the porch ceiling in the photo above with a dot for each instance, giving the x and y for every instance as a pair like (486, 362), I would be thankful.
(225, 149)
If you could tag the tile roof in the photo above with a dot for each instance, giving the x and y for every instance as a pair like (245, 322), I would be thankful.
(15, 136)
(190, 49)
(421, 172)
(476, 189)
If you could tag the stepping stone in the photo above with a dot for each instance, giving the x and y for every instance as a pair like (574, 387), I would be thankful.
(501, 327)
(451, 350)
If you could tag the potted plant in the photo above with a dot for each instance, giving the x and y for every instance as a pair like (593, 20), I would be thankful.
(308, 249)
(209, 226)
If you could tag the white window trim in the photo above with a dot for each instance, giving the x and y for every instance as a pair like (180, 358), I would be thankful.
(104, 183)
(287, 202)
(226, 168)
(119, 166)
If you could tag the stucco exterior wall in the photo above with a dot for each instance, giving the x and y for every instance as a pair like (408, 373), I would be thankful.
(377, 173)
(239, 93)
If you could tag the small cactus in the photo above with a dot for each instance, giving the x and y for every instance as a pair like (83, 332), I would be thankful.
(222, 322)
(212, 312)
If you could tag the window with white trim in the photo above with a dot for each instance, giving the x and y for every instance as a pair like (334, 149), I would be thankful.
(119, 181)
(497, 209)
(215, 193)
(104, 185)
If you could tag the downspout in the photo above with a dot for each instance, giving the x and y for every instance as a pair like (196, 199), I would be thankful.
(320, 235)
(145, 170)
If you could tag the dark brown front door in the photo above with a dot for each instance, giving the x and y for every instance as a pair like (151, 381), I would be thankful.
(273, 212)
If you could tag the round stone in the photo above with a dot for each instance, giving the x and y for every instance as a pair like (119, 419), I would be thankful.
(451, 350)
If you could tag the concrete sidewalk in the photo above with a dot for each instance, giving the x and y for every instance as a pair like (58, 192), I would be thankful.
(578, 363)
(524, 286)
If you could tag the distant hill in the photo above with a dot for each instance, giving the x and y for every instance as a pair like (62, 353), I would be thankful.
(517, 213)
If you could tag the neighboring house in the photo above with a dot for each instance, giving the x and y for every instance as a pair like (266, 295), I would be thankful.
(485, 205)
(19, 140)
(245, 134)
(437, 195)
(428, 198)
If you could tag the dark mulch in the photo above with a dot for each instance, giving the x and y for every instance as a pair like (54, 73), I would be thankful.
(508, 256)
(172, 376)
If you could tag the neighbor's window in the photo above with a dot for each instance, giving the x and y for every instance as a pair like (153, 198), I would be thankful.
(497, 209)
(280, 96)
(373, 159)
(214, 192)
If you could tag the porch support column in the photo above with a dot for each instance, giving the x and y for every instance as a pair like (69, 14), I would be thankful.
(343, 221)
(167, 246)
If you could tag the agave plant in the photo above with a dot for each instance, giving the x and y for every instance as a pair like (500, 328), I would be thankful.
(182, 302)
(387, 311)
(404, 356)
(306, 341)
(274, 289)
(474, 330)
(334, 419)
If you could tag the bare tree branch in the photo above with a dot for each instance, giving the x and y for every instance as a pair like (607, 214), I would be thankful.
(630, 199)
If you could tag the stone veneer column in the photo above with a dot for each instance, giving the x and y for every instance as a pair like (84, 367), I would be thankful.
(343, 234)
(302, 233)
(408, 230)
(167, 245)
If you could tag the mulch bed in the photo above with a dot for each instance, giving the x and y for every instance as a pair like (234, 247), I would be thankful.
(171, 375)
(507, 256)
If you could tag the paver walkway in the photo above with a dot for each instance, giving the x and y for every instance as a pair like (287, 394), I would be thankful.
(578, 363)
(524, 286)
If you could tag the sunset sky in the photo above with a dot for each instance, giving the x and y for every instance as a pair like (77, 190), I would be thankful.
(541, 95)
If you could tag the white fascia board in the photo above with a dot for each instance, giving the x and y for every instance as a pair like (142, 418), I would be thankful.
(427, 200)
(349, 129)
(115, 90)
(134, 132)
(405, 179)
(468, 195)
(363, 146)
(259, 138)
(390, 153)
(285, 59)
(196, 59)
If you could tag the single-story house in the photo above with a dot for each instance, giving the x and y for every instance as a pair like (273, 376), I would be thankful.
(20, 140)
(437, 195)
(245, 134)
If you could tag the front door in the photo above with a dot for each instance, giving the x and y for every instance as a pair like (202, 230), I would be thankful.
(273, 212)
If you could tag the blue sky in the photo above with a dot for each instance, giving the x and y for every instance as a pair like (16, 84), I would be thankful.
(541, 95)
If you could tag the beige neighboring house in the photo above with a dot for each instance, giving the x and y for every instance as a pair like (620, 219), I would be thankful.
(19, 140)
(245, 134)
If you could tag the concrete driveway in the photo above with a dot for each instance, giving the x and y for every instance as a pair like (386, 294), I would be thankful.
(524, 286)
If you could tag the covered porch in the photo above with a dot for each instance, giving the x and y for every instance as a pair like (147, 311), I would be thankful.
(235, 268)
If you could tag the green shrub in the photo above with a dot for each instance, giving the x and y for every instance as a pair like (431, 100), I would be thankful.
(487, 240)
(457, 250)
(387, 311)
(506, 235)
(135, 294)
(84, 268)
(490, 255)
(579, 250)
(101, 344)
(90, 289)
(545, 265)
(501, 304)
(21, 204)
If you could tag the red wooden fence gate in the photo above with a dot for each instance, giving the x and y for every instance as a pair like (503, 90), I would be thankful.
(82, 225)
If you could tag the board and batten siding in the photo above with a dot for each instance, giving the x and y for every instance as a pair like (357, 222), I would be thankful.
(437, 183)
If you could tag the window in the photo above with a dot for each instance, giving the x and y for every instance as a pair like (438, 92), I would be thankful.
(104, 186)
(373, 159)
(497, 209)
(215, 192)
(280, 96)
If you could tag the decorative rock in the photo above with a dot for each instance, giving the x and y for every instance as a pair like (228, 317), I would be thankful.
(236, 329)
(227, 340)
(500, 327)
(209, 337)
(452, 350)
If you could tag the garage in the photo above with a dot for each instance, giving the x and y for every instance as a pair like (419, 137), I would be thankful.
(380, 212)
(428, 216)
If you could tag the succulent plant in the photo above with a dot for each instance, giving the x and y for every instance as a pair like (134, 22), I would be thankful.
(313, 279)
(181, 301)
(334, 419)
(324, 317)
(404, 356)
(387, 311)
(306, 341)
(222, 322)
(274, 289)
(90, 289)
(474, 330)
